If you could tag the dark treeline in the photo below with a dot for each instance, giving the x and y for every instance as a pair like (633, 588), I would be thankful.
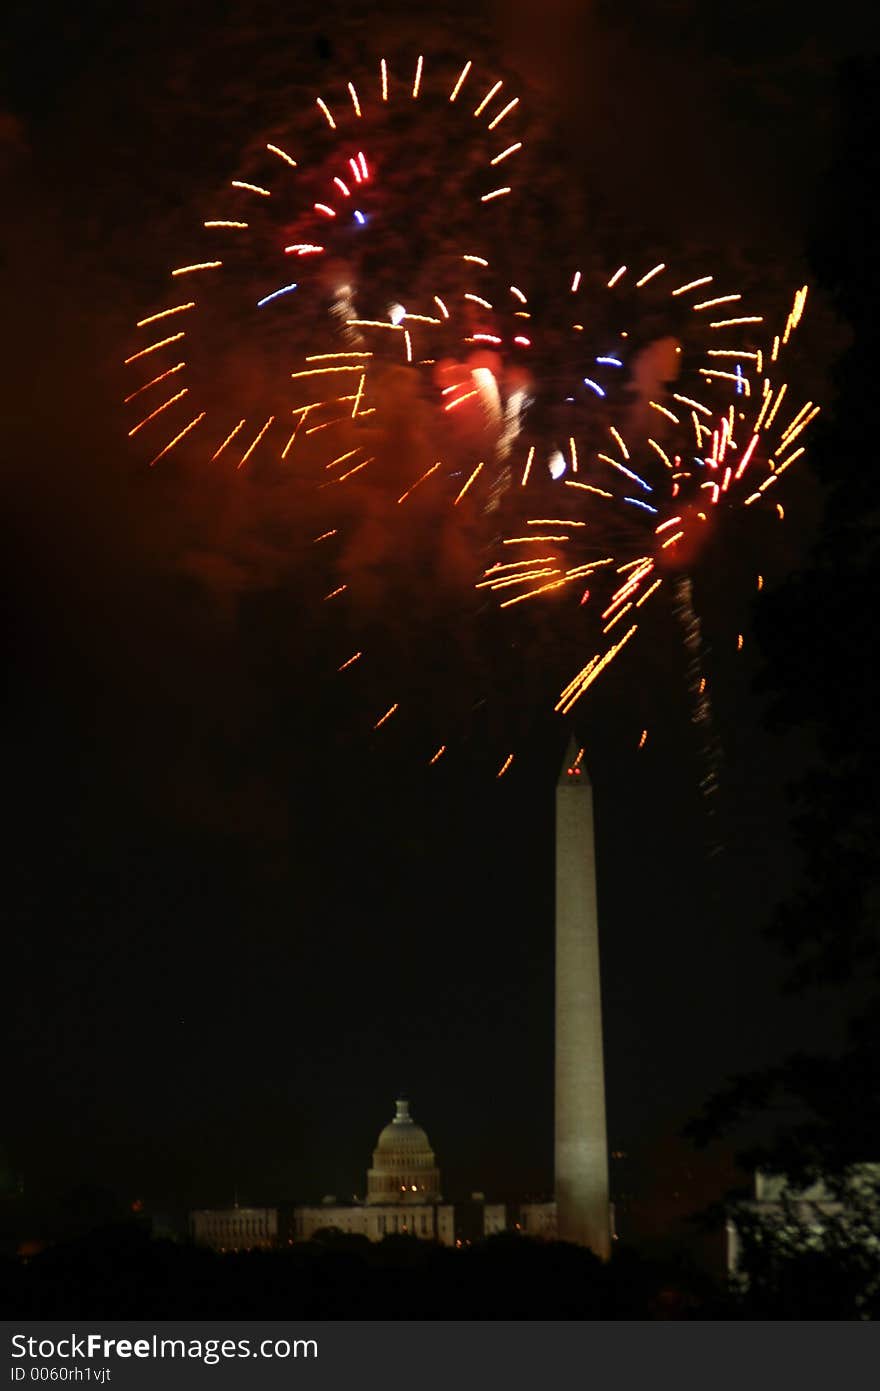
(121, 1272)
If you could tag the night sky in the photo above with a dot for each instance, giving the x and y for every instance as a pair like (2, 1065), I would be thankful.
(239, 923)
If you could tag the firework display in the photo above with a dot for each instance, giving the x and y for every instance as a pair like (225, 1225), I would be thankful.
(468, 448)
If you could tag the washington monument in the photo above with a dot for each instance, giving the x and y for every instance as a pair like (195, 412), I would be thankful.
(581, 1144)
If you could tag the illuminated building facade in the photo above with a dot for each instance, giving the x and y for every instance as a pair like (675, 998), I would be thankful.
(235, 1228)
(428, 1222)
(403, 1191)
(404, 1169)
(403, 1198)
(803, 1215)
(538, 1220)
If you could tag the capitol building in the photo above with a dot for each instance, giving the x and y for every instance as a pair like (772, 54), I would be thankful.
(403, 1198)
(403, 1191)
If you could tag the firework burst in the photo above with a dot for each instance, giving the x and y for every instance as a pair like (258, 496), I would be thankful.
(312, 345)
(692, 426)
(329, 225)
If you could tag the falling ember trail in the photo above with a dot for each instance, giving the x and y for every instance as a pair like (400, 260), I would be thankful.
(710, 745)
(386, 716)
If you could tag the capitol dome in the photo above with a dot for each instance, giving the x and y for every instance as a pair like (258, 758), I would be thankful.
(404, 1169)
